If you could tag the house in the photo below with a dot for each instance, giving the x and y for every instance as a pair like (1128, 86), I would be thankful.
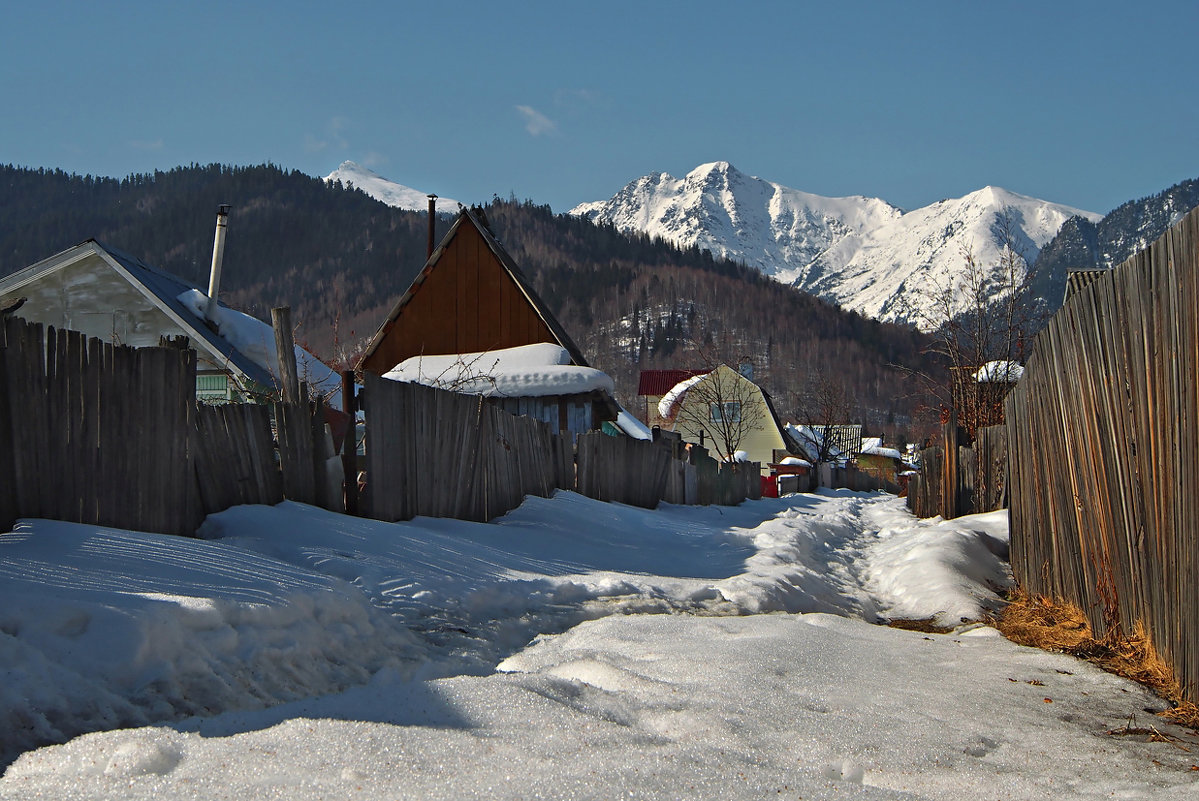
(536, 381)
(879, 461)
(653, 384)
(114, 297)
(728, 414)
(470, 297)
(471, 322)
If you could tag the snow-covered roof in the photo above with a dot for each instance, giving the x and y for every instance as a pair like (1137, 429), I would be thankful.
(999, 371)
(873, 446)
(667, 406)
(256, 340)
(809, 439)
(795, 461)
(242, 345)
(632, 426)
(526, 371)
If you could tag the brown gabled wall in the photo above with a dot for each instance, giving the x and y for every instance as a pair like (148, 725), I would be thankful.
(467, 303)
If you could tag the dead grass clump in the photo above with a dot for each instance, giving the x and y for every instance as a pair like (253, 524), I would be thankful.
(1041, 623)
(928, 625)
(1060, 626)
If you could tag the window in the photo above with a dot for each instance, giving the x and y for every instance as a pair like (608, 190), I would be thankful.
(726, 412)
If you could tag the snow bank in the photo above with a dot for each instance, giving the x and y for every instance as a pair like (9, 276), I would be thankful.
(103, 627)
(376, 646)
(666, 707)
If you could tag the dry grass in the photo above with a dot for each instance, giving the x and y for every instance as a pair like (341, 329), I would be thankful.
(927, 625)
(1059, 626)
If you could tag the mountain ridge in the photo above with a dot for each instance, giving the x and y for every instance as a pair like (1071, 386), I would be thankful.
(862, 253)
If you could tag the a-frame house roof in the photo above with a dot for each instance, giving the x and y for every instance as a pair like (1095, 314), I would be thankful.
(469, 297)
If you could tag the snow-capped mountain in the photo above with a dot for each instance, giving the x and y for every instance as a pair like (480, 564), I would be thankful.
(389, 192)
(1130, 228)
(860, 253)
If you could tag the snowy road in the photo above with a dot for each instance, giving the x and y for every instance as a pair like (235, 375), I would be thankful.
(299, 654)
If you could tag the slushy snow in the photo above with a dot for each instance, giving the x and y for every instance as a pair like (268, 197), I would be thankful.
(570, 649)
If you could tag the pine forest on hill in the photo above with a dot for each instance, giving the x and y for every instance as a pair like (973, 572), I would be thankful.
(341, 259)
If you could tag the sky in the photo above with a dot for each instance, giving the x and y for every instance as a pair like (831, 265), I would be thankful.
(1086, 104)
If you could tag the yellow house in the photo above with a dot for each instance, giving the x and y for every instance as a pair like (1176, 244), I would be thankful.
(728, 414)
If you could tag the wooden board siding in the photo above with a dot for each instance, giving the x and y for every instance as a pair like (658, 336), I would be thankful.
(466, 303)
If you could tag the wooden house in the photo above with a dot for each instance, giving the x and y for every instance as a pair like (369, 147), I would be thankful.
(470, 297)
(114, 297)
(471, 320)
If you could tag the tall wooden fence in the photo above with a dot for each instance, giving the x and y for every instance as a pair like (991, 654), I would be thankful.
(111, 435)
(94, 433)
(1104, 433)
(956, 479)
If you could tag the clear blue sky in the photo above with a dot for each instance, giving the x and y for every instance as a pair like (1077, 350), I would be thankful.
(1088, 104)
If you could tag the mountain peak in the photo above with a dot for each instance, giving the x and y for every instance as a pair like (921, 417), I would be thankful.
(386, 191)
(858, 252)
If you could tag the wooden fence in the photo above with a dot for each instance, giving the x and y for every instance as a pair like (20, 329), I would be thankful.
(956, 479)
(443, 454)
(1104, 433)
(94, 433)
(111, 435)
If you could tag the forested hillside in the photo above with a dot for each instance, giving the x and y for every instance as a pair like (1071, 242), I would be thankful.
(340, 259)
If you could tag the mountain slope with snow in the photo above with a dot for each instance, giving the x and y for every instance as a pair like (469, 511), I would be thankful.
(389, 192)
(862, 253)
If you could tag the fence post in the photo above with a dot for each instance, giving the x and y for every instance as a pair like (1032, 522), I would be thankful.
(949, 479)
(285, 346)
(349, 445)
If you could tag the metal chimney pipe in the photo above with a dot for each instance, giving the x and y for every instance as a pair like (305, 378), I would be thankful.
(432, 223)
(218, 256)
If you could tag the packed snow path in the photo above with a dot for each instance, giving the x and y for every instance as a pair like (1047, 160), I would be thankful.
(378, 645)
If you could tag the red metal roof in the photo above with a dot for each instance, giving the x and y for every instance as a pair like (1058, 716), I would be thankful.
(659, 382)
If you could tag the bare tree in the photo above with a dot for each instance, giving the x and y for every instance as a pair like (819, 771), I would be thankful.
(983, 317)
(721, 407)
(825, 405)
